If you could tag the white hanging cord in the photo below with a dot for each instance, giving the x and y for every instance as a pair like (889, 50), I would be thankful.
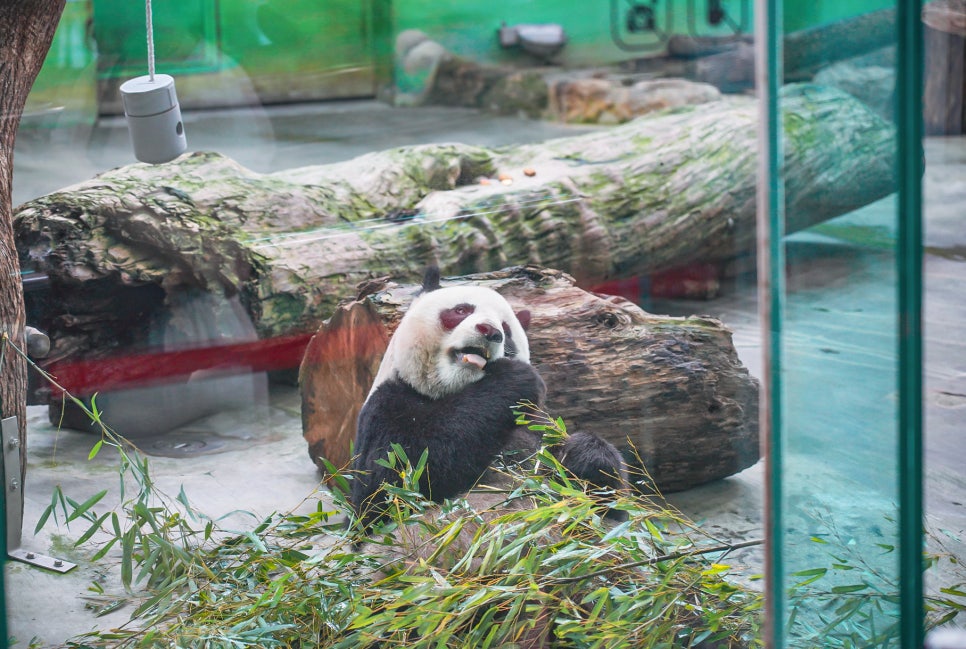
(150, 30)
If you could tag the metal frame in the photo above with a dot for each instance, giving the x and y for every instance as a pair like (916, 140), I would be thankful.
(771, 278)
(13, 502)
(770, 221)
(909, 170)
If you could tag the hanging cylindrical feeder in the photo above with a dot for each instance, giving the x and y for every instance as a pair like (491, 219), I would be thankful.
(152, 110)
(154, 118)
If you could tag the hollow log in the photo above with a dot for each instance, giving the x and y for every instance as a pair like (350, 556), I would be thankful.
(670, 390)
(658, 192)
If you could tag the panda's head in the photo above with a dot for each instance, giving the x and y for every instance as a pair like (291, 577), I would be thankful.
(448, 335)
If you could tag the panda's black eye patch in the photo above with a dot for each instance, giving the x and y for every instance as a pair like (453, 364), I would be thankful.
(452, 316)
(509, 347)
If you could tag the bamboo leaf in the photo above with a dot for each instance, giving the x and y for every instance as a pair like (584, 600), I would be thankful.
(43, 518)
(127, 557)
(811, 572)
(91, 530)
(82, 509)
(953, 590)
(100, 554)
(95, 449)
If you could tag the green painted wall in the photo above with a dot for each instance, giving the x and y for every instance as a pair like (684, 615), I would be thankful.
(802, 15)
(231, 52)
(64, 93)
(237, 52)
(597, 31)
(199, 36)
(185, 33)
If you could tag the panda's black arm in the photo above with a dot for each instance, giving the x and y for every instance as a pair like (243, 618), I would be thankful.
(462, 432)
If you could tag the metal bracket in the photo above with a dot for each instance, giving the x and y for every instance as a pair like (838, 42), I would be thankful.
(13, 503)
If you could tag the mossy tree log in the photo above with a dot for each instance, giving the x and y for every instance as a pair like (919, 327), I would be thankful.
(657, 192)
(670, 390)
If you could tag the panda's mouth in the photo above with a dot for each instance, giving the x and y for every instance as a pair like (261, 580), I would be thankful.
(476, 356)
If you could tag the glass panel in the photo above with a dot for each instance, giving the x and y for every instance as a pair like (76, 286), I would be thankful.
(944, 194)
(184, 295)
(846, 554)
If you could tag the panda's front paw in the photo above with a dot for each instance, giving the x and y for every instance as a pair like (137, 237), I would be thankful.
(519, 381)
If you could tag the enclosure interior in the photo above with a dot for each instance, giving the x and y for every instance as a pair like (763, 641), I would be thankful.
(204, 378)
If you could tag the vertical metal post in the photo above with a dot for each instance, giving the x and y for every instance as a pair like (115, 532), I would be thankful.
(770, 260)
(10, 438)
(3, 571)
(909, 162)
(13, 502)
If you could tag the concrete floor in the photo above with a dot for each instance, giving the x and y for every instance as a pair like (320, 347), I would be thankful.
(254, 460)
(257, 460)
(266, 139)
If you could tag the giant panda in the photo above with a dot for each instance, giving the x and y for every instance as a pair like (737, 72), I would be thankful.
(455, 369)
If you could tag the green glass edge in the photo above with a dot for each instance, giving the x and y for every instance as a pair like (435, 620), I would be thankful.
(909, 62)
(771, 291)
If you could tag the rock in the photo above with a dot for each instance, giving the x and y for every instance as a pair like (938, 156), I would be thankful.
(408, 39)
(730, 71)
(647, 96)
(424, 57)
(459, 82)
(609, 101)
(519, 93)
(582, 100)
(420, 59)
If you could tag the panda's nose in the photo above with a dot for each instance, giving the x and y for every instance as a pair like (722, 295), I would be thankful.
(490, 332)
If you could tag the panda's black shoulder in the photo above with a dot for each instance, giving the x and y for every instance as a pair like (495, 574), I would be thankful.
(394, 393)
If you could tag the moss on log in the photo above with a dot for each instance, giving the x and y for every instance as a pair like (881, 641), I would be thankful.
(657, 192)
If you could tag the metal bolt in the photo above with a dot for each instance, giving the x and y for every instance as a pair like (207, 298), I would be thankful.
(58, 563)
(31, 555)
(14, 442)
(14, 484)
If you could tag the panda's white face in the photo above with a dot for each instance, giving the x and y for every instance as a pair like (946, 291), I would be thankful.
(447, 337)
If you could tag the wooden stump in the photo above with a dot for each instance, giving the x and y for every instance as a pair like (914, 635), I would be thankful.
(668, 389)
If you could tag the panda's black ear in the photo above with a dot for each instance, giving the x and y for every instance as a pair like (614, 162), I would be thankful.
(431, 279)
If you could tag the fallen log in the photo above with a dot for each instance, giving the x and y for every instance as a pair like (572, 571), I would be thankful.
(668, 390)
(804, 52)
(658, 192)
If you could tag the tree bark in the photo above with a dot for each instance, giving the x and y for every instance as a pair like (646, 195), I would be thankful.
(654, 193)
(669, 390)
(27, 28)
(944, 86)
(809, 49)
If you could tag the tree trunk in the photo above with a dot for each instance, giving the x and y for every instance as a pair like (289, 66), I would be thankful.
(27, 28)
(803, 52)
(670, 390)
(944, 87)
(654, 193)
(810, 49)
